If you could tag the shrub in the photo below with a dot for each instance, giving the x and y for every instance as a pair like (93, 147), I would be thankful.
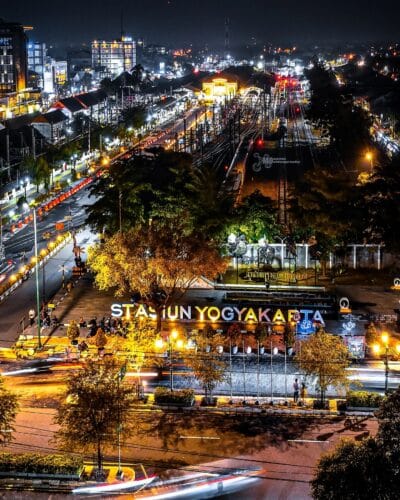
(363, 399)
(35, 463)
(184, 397)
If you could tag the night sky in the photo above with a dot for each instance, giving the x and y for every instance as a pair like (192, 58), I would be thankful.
(180, 22)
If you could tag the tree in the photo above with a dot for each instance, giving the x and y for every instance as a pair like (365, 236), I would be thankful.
(146, 187)
(73, 331)
(100, 339)
(381, 201)
(365, 470)
(354, 471)
(325, 356)
(97, 403)
(388, 435)
(134, 117)
(8, 412)
(207, 363)
(40, 172)
(138, 346)
(289, 335)
(255, 218)
(154, 262)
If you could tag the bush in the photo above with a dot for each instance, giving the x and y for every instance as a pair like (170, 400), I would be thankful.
(185, 397)
(364, 399)
(35, 463)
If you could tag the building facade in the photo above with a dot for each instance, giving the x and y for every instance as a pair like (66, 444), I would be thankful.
(37, 56)
(110, 59)
(13, 58)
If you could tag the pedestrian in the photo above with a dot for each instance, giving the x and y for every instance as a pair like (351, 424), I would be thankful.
(31, 315)
(295, 390)
(303, 393)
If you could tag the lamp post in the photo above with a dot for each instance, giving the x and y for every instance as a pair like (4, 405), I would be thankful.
(171, 339)
(369, 157)
(37, 278)
(385, 344)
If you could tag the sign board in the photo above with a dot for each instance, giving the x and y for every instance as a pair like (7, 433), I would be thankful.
(59, 226)
(228, 314)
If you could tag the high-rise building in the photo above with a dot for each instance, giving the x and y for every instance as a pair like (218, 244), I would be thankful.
(13, 58)
(110, 59)
(37, 56)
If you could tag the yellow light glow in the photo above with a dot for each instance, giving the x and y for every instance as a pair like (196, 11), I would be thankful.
(174, 334)
(13, 278)
(376, 348)
(385, 338)
(368, 156)
(179, 344)
(398, 348)
(43, 252)
(159, 343)
(33, 260)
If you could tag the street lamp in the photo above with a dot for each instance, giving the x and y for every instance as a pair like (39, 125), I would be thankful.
(377, 348)
(172, 338)
(369, 157)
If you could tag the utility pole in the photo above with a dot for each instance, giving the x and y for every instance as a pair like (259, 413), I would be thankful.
(37, 279)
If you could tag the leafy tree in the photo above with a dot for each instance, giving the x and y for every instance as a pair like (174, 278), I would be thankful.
(40, 172)
(382, 203)
(100, 339)
(354, 471)
(234, 333)
(325, 356)
(289, 335)
(212, 209)
(8, 412)
(255, 218)
(332, 109)
(134, 117)
(207, 363)
(154, 262)
(73, 331)
(138, 346)
(96, 402)
(143, 188)
(371, 335)
(261, 333)
(388, 435)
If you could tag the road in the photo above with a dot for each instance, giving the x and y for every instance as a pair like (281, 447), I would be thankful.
(286, 448)
(21, 246)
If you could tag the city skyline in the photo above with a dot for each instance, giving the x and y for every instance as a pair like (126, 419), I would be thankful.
(168, 21)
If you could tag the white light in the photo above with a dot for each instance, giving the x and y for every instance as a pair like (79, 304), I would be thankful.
(11, 213)
(232, 238)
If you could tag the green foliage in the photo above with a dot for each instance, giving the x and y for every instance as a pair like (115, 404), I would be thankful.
(388, 435)
(255, 218)
(8, 411)
(184, 397)
(207, 363)
(325, 356)
(354, 471)
(144, 188)
(134, 117)
(382, 203)
(35, 463)
(333, 111)
(363, 399)
(96, 400)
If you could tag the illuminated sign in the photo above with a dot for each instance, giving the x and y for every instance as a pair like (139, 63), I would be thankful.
(214, 314)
